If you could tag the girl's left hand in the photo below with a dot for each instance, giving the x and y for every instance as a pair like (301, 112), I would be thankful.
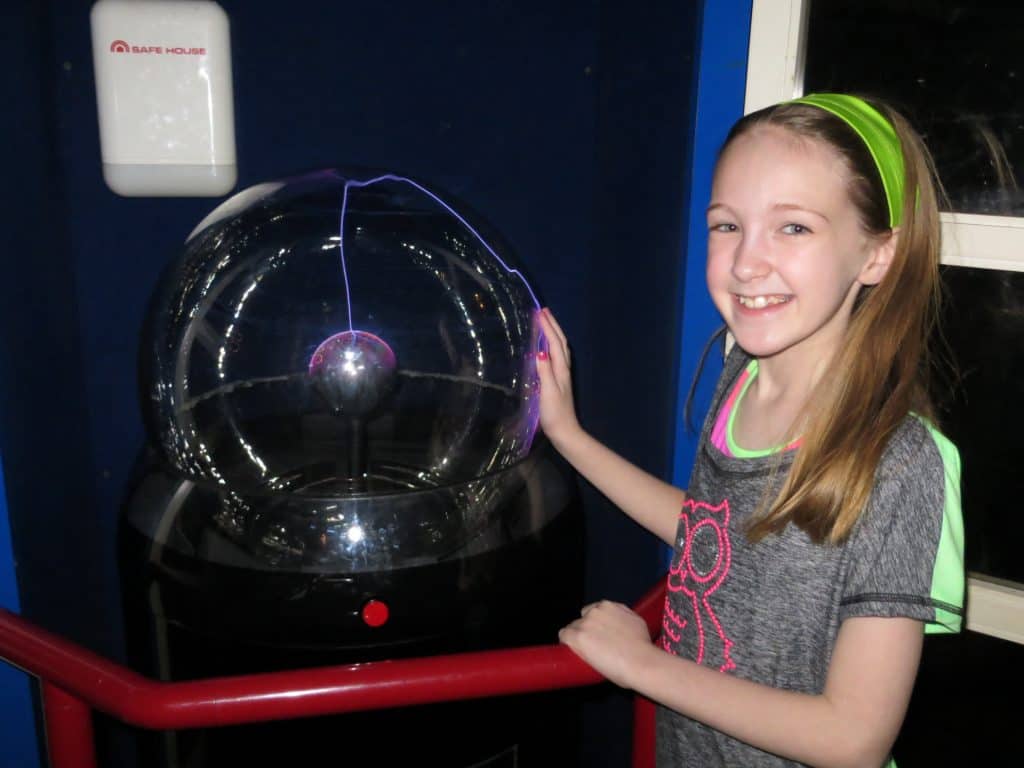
(612, 639)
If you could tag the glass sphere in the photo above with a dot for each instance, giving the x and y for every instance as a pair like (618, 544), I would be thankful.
(337, 333)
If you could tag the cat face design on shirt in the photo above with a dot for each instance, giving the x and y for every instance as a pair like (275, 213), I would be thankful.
(700, 566)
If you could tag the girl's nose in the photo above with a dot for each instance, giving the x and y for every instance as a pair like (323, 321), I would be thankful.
(749, 260)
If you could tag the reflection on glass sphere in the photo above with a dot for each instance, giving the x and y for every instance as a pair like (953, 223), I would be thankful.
(353, 371)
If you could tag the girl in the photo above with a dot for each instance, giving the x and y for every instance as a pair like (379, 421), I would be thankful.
(821, 528)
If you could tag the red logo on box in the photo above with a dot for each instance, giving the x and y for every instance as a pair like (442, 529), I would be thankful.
(120, 46)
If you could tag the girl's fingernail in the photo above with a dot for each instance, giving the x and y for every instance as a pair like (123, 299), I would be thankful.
(542, 355)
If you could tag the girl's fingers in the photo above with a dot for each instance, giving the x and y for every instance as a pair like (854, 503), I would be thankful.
(560, 367)
(543, 365)
(556, 328)
(554, 378)
(557, 345)
(544, 372)
(556, 331)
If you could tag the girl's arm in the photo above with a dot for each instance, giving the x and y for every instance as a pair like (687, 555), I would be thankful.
(651, 502)
(854, 722)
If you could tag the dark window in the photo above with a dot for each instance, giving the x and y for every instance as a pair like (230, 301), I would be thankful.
(980, 409)
(954, 68)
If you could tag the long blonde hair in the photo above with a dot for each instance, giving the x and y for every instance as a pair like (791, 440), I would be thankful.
(879, 373)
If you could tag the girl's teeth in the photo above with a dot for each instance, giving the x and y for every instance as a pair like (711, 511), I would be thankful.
(760, 302)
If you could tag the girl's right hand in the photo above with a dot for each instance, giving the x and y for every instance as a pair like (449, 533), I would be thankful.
(557, 411)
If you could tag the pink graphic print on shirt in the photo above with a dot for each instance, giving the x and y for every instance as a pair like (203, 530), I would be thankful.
(696, 586)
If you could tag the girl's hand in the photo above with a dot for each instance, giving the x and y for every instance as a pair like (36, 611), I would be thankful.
(612, 639)
(557, 411)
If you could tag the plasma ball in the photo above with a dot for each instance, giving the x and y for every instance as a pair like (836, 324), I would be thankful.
(354, 371)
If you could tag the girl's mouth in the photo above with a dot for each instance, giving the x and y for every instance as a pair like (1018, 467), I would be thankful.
(760, 302)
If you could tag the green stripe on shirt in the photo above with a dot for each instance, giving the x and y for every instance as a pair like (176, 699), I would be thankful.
(948, 574)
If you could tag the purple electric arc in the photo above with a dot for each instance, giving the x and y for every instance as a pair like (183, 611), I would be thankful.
(355, 370)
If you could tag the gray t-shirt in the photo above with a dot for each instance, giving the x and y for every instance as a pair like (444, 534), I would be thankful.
(770, 612)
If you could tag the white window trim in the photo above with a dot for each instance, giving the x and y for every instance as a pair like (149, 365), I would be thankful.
(775, 73)
(776, 26)
(995, 607)
(988, 242)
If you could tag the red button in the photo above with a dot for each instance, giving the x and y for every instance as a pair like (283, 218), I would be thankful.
(375, 613)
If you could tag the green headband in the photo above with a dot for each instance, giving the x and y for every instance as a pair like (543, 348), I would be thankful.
(878, 136)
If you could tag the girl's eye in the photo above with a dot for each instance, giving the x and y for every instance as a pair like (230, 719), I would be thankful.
(723, 227)
(795, 229)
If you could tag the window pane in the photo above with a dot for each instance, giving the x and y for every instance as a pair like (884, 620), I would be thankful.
(981, 411)
(953, 67)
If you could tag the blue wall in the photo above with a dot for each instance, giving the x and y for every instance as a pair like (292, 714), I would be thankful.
(565, 124)
(718, 95)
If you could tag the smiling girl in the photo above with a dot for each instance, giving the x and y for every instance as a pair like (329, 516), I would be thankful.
(820, 535)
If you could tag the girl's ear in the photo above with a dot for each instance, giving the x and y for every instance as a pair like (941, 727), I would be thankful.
(881, 257)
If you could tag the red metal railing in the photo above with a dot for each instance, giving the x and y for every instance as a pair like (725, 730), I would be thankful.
(75, 681)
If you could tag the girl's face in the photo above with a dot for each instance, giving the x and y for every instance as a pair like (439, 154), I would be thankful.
(786, 251)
